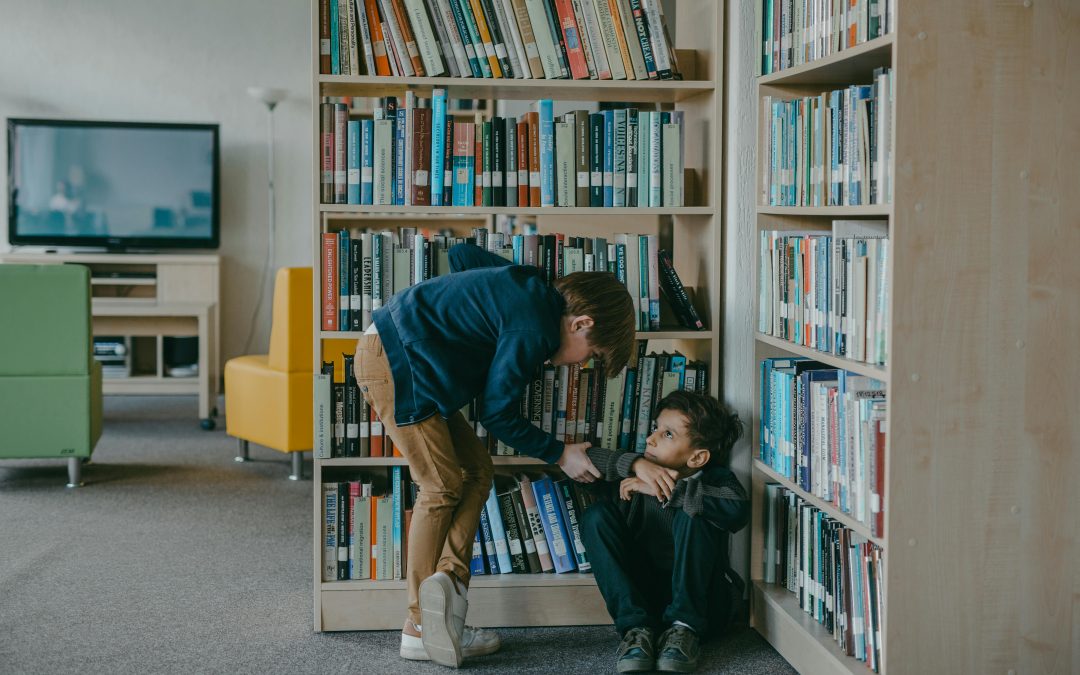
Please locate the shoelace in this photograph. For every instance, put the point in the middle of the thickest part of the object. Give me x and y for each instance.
(637, 637)
(677, 638)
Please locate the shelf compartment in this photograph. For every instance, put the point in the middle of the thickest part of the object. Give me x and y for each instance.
(860, 367)
(803, 642)
(870, 210)
(483, 581)
(844, 67)
(497, 460)
(449, 211)
(828, 508)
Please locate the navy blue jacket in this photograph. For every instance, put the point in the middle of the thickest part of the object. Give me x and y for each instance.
(478, 332)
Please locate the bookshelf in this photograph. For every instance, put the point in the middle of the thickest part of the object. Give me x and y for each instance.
(980, 456)
(692, 232)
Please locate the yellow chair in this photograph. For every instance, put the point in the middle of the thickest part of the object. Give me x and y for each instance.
(268, 396)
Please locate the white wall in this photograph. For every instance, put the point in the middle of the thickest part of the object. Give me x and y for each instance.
(183, 61)
(739, 249)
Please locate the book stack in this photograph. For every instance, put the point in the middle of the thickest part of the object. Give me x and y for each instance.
(361, 270)
(827, 292)
(834, 149)
(514, 39)
(413, 153)
(794, 33)
(836, 574)
(366, 525)
(530, 525)
(825, 430)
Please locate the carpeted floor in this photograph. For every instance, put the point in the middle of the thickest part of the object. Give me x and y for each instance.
(175, 559)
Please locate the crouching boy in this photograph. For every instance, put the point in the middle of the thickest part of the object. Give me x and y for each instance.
(660, 551)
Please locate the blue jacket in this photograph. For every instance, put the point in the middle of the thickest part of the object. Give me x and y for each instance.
(478, 332)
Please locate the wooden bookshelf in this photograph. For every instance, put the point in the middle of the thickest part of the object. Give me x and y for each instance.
(980, 547)
(692, 232)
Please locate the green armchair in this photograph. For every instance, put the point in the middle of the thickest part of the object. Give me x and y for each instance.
(50, 384)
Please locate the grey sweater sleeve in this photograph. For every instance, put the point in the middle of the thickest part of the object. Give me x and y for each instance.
(613, 464)
(718, 497)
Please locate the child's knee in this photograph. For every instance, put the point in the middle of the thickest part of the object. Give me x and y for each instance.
(598, 517)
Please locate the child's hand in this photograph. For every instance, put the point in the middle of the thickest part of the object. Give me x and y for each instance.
(576, 463)
(661, 480)
(633, 484)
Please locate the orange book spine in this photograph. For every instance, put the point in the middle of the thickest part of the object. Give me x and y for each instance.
(572, 38)
(373, 529)
(485, 37)
(376, 434)
(408, 37)
(523, 162)
(378, 42)
(624, 49)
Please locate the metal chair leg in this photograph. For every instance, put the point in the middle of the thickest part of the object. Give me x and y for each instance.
(243, 449)
(297, 466)
(75, 472)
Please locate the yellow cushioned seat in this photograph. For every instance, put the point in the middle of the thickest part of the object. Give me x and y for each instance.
(268, 396)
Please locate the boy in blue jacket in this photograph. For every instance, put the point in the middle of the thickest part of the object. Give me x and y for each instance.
(659, 550)
(479, 332)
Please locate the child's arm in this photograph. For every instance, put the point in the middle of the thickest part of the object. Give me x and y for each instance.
(613, 464)
(470, 256)
(721, 499)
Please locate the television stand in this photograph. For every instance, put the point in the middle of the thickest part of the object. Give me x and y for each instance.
(146, 298)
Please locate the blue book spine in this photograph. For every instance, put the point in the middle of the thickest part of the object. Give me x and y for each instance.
(466, 39)
(343, 278)
(518, 243)
(335, 40)
(570, 517)
(367, 161)
(626, 429)
(489, 542)
(678, 365)
(438, 143)
(353, 159)
(554, 528)
(763, 418)
(397, 518)
(461, 181)
(476, 564)
(547, 152)
(609, 157)
(399, 158)
(498, 532)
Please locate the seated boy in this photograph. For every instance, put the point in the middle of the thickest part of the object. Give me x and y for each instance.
(660, 552)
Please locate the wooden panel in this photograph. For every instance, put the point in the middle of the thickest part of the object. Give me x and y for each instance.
(571, 605)
(146, 325)
(187, 283)
(982, 572)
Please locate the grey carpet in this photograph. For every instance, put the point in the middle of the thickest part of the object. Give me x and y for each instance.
(175, 559)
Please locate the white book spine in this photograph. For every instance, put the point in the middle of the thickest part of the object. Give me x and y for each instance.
(519, 60)
(457, 41)
(596, 39)
(610, 41)
(544, 40)
(400, 51)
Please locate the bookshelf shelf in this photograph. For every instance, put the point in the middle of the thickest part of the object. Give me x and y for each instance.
(486, 581)
(848, 66)
(449, 211)
(878, 210)
(799, 639)
(860, 367)
(692, 233)
(638, 91)
(827, 507)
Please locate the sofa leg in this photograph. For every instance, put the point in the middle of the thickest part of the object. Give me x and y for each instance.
(297, 466)
(75, 472)
(242, 447)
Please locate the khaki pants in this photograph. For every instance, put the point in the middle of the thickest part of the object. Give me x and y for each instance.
(447, 461)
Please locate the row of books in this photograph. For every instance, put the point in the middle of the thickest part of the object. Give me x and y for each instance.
(572, 403)
(834, 149)
(519, 39)
(825, 430)
(829, 292)
(794, 32)
(366, 525)
(531, 525)
(362, 270)
(415, 154)
(836, 574)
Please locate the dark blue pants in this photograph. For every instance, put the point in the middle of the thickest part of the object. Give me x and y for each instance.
(654, 578)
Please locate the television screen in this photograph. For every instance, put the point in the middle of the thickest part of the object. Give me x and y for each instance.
(112, 184)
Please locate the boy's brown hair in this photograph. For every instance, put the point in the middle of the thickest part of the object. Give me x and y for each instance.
(710, 424)
(602, 297)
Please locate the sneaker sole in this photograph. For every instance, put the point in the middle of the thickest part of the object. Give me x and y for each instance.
(666, 666)
(641, 666)
(440, 643)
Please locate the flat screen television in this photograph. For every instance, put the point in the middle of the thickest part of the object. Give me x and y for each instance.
(113, 185)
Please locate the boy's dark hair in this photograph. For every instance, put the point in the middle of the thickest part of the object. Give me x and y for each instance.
(711, 425)
(602, 297)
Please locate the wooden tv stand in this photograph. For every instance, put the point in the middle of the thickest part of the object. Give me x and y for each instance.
(145, 298)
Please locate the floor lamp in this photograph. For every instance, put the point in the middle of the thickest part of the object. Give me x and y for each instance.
(270, 97)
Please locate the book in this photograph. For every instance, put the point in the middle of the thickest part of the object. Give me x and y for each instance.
(571, 518)
(555, 532)
(511, 527)
(536, 525)
(498, 532)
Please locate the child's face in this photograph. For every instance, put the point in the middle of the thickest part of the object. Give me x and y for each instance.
(669, 444)
(574, 344)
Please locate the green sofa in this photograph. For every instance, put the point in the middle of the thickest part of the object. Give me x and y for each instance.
(50, 384)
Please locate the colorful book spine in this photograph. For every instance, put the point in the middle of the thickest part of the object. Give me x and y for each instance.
(555, 532)
(609, 157)
(353, 163)
(438, 144)
(367, 158)
(547, 152)
(498, 532)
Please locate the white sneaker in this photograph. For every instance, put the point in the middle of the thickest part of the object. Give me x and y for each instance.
(443, 607)
(474, 642)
